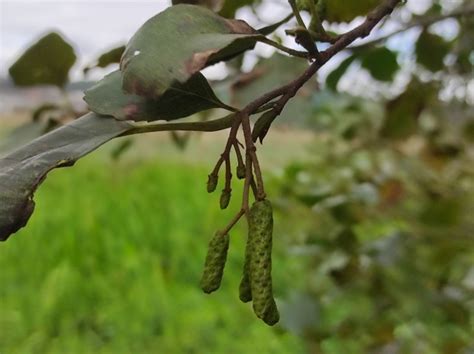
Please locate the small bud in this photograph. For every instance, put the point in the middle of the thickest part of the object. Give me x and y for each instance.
(225, 198)
(212, 183)
(241, 172)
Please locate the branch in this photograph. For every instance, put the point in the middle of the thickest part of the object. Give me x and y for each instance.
(289, 90)
(296, 13)
(292, 52)
(419, 22)
(208, 126)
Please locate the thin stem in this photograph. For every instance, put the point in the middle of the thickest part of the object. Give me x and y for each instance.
(297, 14)
(292, 52)
(228, 174)
(251, 152)
(234, 221)
(208, 126)
(248, 179)
(419, 22)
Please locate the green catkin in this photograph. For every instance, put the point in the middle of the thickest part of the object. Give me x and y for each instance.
(245, 291)
(260, 238)
(215, 262)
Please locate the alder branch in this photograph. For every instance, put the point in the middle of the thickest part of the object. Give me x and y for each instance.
(208, 126)
(425, 21)
(289, 90)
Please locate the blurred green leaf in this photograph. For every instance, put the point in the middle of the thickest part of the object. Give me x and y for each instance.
(345, 11)
(381, 63)
(231, 6)
(333, 78)
(47, 62)
(110, 57)
(270, 73)
(185, 40)
(180, 100)
(430, 51)
(401, 113)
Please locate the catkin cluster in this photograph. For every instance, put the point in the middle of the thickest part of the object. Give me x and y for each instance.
(256, 283)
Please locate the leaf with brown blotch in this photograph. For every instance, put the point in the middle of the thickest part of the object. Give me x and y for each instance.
(176, 44)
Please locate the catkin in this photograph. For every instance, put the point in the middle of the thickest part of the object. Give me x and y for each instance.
(245, 291)
(260, 266)
(215, 262)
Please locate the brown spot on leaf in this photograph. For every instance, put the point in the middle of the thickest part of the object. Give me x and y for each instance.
(130, 111)
(198, 61)
(240, 27)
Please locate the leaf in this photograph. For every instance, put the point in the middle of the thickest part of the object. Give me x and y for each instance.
(111, 57)
(270, 73)
(22, 171)
(430, 51)
(47, 62)
(273, 27)
(345, 11)
(231, 6)
(176, 44)
(333, 78)
(23, 134)
(401, 113)
(262, 125)
(180, 100)
(381, 63)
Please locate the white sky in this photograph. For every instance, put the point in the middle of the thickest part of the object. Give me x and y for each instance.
(92, 26)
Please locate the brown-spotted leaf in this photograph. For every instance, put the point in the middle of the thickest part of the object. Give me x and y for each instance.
(23, 170)
(176, 44)
(180, 100)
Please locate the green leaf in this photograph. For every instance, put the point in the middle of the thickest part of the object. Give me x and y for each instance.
(176, 44)
(333, 78)
(22, 171)
(381, 63)
(180, 100)
(401, 113)
(273, 27)
(343, 10)
(111, 57)
(430, 51)
(273, 72)
(47, 62)
(231, 6)
(23, 134)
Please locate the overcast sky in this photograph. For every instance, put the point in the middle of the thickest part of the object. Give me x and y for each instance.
(95, 26)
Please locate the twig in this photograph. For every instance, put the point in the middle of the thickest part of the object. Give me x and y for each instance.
(234, 221)
(208, 126)
(419, 22)
(297, 14)
(292, 52)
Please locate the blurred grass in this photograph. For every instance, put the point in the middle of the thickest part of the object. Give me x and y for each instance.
(110, 263)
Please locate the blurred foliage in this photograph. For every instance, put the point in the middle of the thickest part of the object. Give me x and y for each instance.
(113, 56)
(384, 232)
(47, 62)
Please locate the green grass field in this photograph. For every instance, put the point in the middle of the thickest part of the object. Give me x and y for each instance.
(111, 261)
